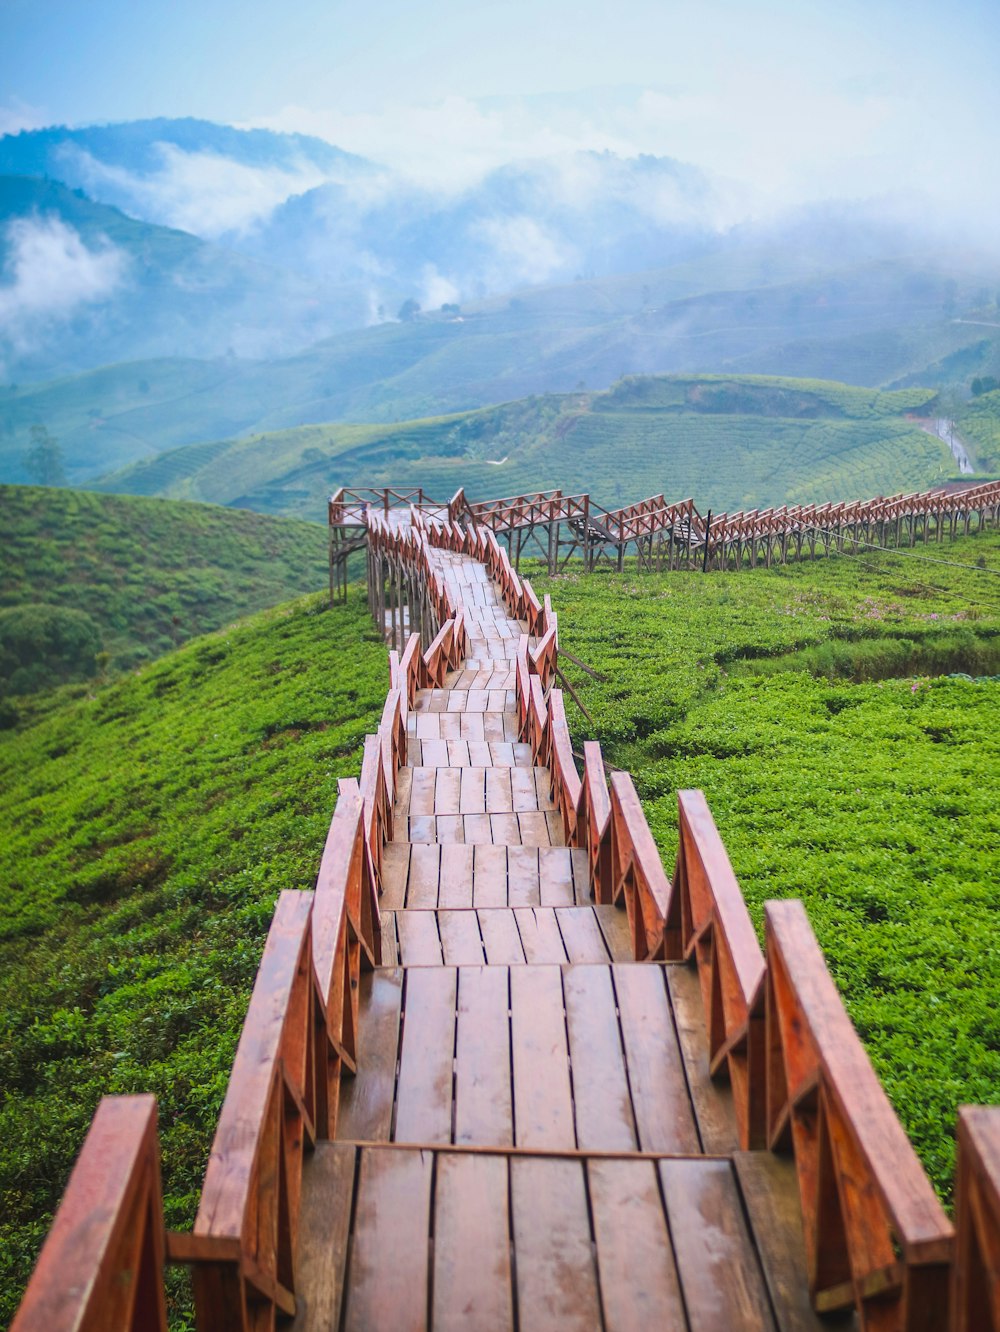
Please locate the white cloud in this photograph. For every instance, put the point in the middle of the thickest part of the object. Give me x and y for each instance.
(16, 115)
(51, 275)
(437, 290)
(202, 193)
(525, 252)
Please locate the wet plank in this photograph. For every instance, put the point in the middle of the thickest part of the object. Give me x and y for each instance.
(460, 941)
(395, 867)
(523, 876)
(556, 877)
(613, 924)
(500, 937)
(600, 1085)
(661, 1102)
(556, 1277)
(419, 944)
(366, 1100)
(455, 884)
(424, 1096)
(323, 1233)
(720, 1275)
(393, 1217)
(540, 937)
(582, 935)
(472, 1269)
(422, 884)
(489, 883)
(483, 1103)
(713, 1102)
(543, 1103)
(639, 1284)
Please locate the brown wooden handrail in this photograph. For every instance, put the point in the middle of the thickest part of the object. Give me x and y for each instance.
(566, 785)
(975, 1292)
(101, 1267)
(876, 1235)
(637, 874)
(593, 822)
(709, 923)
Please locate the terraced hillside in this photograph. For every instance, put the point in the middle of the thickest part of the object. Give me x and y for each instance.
(731, 442)
(145, 835)
(149, 574)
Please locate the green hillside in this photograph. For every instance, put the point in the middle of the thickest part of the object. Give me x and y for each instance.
(145, 834)
(811, 705)
(979, 423)
(731, 442)
(149, 574)
(878, 324)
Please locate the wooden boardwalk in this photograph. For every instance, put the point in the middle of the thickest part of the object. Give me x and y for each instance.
(532, 1138)
(500, 1071)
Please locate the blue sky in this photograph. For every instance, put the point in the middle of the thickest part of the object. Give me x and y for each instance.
(794, 97)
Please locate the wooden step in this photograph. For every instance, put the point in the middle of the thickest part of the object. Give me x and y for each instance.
(455, 875)
(468, 754)
(464, 700)
(472, 790)
(505, 936)
(527, 828)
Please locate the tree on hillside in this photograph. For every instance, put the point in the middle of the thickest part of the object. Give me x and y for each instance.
(44, 460)
(409, 310)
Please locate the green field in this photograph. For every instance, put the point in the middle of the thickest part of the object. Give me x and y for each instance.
(979, 423)
(145, 834)
(728, 442)
(809, 703)
(149, 574)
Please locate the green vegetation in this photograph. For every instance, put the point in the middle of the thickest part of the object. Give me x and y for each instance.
(979, 422)
(731, 442)
(145, 834)
(812, 705)
(149, 574)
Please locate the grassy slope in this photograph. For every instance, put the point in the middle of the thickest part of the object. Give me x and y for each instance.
(151, 573)
(730, 442)
(145, 834)
(980, 424)
(872, 799)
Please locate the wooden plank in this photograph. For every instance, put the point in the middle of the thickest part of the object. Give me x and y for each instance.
(540, 937)
(603, 1105)
(422, 886)
(522, 789)
(419, 944)
(472, 1270)
(582, 935)
(523, 757)
(390, 948)
(420, 829)
(639, 1284)
(713, 1102)
(554, 823)
(395, 868)
(489, 881)
(499, 798)
(424, 1093)
(450, 828)
(447, 790)
(543, 789)
(770, 1190)
(324, 1224)
(392, 1217)
(469, 726)
(555, 887)
(720, 1276)
(483, 1104)
(478, 830)
(422, 791)
(504, 829)
(556, 1277)
(661, 1102)
(455, 887)
(613, 924)
(434, 754)
(534, 829)
(404, 779)
(473, 799)
(543, 1102)
(581, 878)
(366, 1100)
(522, 876)
(460, 939)
(500, 937)
(480, 753)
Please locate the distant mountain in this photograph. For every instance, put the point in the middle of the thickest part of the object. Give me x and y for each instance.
(877, 324)
(84, 285)
(552, 220)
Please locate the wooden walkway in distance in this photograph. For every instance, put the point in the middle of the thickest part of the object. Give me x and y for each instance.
(532, 1138)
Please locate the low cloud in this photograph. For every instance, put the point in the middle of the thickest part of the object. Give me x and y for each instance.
(524, 251)
(205, 194)
(50, 275)
(437, 290)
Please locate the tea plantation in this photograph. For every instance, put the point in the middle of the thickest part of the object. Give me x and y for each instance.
(812, 704)
(145, 833)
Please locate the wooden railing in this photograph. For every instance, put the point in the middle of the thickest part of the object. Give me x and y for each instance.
(975, 1297)
(876, 1236)
(101, 1269)
(709, 923)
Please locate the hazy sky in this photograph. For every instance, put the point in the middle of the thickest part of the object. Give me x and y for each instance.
(800, 98)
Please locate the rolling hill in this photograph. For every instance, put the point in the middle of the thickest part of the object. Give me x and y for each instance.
(731, 442)
(147, 574)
